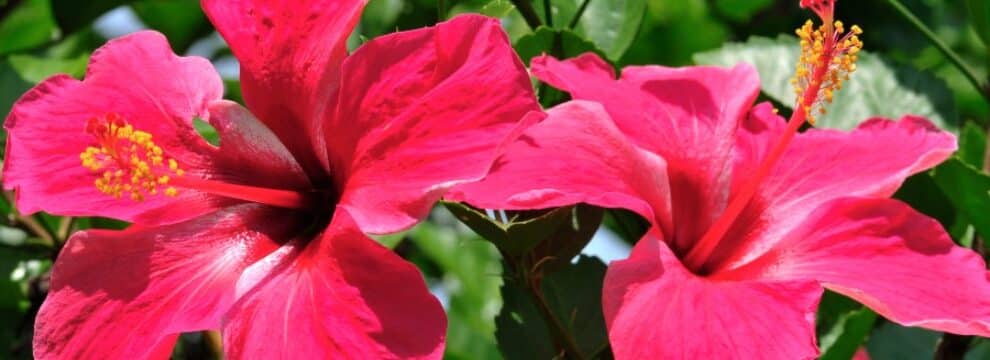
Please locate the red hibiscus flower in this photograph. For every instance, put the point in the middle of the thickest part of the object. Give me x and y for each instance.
(261, 237)
(751, 219)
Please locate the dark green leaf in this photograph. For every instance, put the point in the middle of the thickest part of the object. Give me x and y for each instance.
(573, 298)
(895, 342)
(979, 11)
(558, 234)
(182, 21)
(29, 25)
(842, 326)
(878, 88)
(549, 41)
(969, 190)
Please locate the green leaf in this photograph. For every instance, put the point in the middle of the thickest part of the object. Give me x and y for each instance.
(182, 21)
(36, 69)
(29, 25)
(611, 25)
(895, 342)
(972, 144)
(969, 190)
(845, 327)
(878, 88)
(556, 235)
(498, 8)
(544, 41)
(572, 296)
(980, 12)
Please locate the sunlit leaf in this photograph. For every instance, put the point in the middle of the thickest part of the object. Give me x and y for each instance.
(611, 25)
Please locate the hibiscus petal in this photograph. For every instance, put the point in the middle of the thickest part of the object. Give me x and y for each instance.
(290, 54)
(602, 167)
(250, 153)
(821, 165)
(340, 296)
(116, 294)
(891, 258)
(136, 76)
(656, 309)
(688, 116)
(421, 111)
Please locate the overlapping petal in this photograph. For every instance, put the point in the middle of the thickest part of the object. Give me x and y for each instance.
(290, 54)
(126, 294)
(688, 116)
(821, 165)
(340, 296)
(891, 258)
(421, 111)
(657, 309)
(137, 77)
(575, 155)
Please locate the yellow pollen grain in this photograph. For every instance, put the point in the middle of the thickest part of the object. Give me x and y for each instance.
(127, 160)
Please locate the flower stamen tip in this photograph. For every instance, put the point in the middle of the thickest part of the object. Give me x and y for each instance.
(126, 160)
(828, 57)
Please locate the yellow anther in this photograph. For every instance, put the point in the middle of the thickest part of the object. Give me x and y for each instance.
(828, 56)
(128, 160)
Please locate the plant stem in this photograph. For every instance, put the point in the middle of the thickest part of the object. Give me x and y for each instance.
(528, 13)
(942, 46)
(30, 223)
(578, 14)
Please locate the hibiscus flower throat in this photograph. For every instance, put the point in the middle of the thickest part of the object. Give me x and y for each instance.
(828, 57)
(129, 164)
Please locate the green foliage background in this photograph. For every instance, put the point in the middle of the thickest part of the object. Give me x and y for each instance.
(489, 313)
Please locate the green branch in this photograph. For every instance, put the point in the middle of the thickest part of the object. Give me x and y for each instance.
(578, 14)
(528, 13)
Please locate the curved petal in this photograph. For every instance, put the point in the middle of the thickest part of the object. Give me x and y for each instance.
(290, 54)
(575, 155)
(340, 296)
(891, 258)
(116, 294)
(137, 77)
(822, 165)
(250, 153)
(421, 111)
(656, 309)
(688, 116)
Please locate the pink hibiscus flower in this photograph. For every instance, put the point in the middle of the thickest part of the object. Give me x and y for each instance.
(751, 219)
(261, 237)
